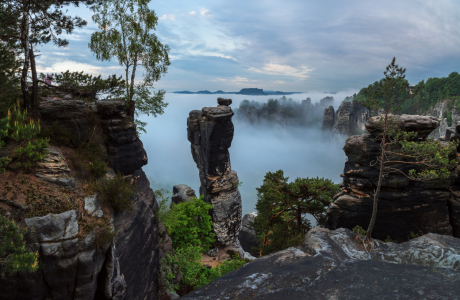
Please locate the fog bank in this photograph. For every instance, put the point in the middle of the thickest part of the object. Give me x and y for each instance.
(255, 150)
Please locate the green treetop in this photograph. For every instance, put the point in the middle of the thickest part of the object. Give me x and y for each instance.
(126, 33)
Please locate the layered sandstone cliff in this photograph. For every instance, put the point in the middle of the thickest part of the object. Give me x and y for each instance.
(405, 206)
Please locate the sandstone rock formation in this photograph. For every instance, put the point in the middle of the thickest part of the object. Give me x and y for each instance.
(247, 236)
(404, 206)
(210, 132)
(126, 153)
(440, 111)
(137, 245)
(331, 265)
(349, 118)
(81, 267)
(53, 168)
(328, 119)
(182, 193)
(72, 115)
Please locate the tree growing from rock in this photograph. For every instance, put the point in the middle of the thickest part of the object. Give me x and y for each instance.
(427, 159)
(126, 33)
(283, 208)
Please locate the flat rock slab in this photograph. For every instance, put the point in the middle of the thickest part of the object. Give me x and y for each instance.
(331, 265)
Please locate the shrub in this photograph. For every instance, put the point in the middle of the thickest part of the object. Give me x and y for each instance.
(193, 273)
(163, 201)
(31, 150)
(57, 134)
(189, 223)
(13, 255)
(98, 169)
(118, 192)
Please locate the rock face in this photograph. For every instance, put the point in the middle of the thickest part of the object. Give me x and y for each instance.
(79, 267)
(210, 132)
(247, 235)
(136, 244)
(72, 115)
(126, 153)
(440, 110)
(70, 264)
(331, 265)
(349, 118)
(328, 119)
(182, 193)
(53, 168)
(404, 206)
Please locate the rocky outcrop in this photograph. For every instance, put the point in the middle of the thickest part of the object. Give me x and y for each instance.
(210, 132)
(71, 115)
(71, 264)
(82, 266)
(53, 168)
(126, 153)
(349, 118)
(328, 119)
(247, 236)
(326, 101)
(136, 244)
(405, 206)
(440, 111)
(331, 265)
(182, 193)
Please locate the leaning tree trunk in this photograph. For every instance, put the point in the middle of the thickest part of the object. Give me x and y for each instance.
(379, 184)
(34, 97)
(25, 68)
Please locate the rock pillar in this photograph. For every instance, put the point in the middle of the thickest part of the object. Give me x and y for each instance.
(210, 132)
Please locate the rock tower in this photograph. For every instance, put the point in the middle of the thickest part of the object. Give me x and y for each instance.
(210, 132)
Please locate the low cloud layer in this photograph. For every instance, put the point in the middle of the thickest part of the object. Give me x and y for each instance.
(255, 150)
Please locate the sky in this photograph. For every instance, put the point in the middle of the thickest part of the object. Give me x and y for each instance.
(285, 45)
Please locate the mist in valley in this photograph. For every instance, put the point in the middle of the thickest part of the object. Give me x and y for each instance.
(256, 148)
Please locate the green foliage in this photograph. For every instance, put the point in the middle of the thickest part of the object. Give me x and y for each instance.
(98, 168)
(27, 156)
(10, 67)
(163, 200)
(388, 239)
(282, 209)
(118, 192)
(30, 150)
(86, 85)
(194, 274)
(57, 134)
(430, 158)
(189, 223)
(359, 230)
(412, 236)
(13, 254)
(126, 32)
(434, 90)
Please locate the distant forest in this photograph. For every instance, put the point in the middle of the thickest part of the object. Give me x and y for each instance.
(434, 90)
(283, 111)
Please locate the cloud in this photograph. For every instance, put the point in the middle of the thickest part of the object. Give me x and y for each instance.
(192, 13)
(170, 17)
(204, 12)
(283, 70)
(74, 66)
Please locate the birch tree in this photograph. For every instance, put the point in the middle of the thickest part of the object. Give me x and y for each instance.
(127, 33)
